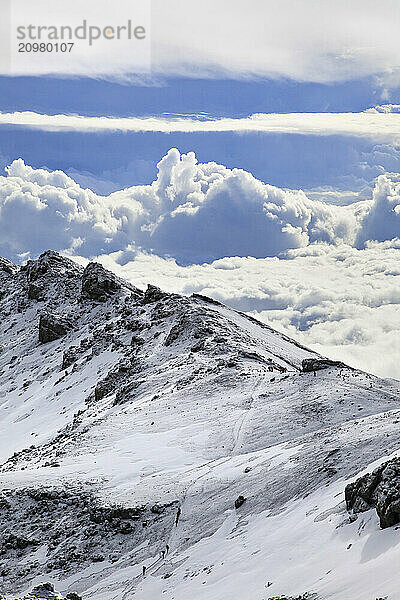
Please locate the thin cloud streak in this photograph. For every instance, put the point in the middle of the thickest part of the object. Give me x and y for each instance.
(382, 127)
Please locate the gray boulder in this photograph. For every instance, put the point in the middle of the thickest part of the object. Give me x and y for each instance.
(44, 591)
(380, 490)
(239, 501)
(316, 364)
(52, 327)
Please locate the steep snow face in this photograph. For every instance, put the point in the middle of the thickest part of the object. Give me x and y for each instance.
(131, 421)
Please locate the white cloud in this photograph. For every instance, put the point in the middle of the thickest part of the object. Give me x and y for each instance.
(379, 126)
(306, 41)
(384, 108)
(194, 212)
(382, 222)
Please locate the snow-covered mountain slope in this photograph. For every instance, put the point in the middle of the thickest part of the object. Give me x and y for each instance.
(131, 422)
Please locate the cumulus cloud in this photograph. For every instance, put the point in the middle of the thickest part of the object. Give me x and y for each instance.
(382, 222)
(378, 125)
(40, 208)
(193, 212)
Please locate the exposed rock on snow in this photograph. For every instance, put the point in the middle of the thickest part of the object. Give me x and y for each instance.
(379, 489)
(52, 327)
(46, 591)
(74, 526)
(7, 266)
(305, 596)
(153, 294)
(122, 381)
(316, 364)
(99, 284)
(206, 299)
(50, 276)
(239, 501)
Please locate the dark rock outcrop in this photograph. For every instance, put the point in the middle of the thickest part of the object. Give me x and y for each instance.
(15, 542)
(51, 276)
(36, 291)
(50, 262)
(77, 527)
(175, 332)
(7, 271)
(380, 490)
(206, 299)
(98, 284)
(7, 266)
(317, 364)
(121, 380)
(153, 294)
(73, 353)
(239, 501)
(46, 591)
(305, 596)
(52, 327)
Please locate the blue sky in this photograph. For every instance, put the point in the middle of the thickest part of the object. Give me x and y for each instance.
(108, 161)
(220, 97)
(130, 158)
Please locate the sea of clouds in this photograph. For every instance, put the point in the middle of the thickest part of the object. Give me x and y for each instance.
(327, 275)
